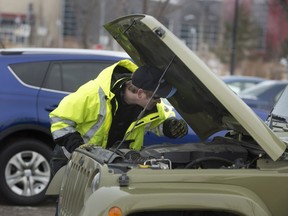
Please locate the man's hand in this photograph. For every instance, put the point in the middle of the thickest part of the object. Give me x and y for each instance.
(175, 128)
(87, 146)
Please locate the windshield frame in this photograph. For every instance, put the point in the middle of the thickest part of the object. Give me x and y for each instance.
(280, 109)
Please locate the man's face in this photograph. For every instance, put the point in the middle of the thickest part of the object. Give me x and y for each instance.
(145, 99)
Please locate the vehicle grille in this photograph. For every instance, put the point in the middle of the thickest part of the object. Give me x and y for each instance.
(79, 177)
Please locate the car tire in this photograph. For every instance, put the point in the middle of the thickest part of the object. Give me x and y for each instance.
(25, 172)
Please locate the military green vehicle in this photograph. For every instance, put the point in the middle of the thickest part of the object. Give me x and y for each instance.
(244, 172)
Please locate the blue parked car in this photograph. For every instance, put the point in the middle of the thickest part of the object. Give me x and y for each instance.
(33, 81)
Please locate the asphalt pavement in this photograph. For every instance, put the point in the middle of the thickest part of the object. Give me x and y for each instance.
(46, 208)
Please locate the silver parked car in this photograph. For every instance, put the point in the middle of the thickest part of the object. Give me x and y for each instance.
(243, 173)
(240, 83)
(264, 95)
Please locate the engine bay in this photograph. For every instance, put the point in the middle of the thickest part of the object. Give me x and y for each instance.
(220, 153)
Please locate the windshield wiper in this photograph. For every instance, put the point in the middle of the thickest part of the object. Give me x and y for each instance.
(279, 118)
(276, 118)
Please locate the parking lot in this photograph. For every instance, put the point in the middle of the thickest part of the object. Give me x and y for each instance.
(45, 209)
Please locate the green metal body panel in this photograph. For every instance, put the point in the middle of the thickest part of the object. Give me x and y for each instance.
(260, 191)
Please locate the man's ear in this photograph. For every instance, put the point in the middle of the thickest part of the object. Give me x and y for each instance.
(140, 93)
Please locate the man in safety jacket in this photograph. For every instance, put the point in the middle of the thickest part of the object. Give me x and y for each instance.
(105, 110)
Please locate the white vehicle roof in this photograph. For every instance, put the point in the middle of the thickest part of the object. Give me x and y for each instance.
(67, 51)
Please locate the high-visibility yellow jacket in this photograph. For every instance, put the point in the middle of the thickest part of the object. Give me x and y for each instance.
(89, 111)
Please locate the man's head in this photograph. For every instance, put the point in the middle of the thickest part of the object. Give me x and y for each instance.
(148, 78)
(144, 82)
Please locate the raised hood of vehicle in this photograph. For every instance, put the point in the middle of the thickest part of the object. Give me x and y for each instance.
(202, 99)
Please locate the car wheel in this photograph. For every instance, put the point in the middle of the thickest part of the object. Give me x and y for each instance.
(24, 171)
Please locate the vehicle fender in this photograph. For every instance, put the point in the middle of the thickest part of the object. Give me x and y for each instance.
(56, 182)
(24, 127)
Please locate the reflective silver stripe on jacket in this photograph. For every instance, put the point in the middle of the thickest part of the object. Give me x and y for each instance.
(54, 120)
(160, 129)
(101, 117)
(62, 132)
(147, 127)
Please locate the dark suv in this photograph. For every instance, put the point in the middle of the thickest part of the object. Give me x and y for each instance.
(32, 83)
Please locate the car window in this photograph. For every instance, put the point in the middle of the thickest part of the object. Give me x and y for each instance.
(265, 91)
(31, 73)
(257, 89)
(235, 84)
(234, 88)
(248, 85)
(240, 86)
(69, 76)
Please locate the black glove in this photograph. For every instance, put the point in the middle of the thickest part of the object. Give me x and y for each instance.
(175, 128)
(70, 141)
(58, 160)
(64, 147)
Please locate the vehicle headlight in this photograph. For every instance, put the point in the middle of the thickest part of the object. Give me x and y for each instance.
(96, 181)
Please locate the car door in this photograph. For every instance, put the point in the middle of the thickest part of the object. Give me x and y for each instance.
(21, 103)
(62, 78)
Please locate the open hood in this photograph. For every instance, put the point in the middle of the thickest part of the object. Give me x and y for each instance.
(202, 99)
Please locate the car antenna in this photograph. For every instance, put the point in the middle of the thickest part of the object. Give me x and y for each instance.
(142, 112)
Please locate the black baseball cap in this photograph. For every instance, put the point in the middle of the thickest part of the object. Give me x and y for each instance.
(147, 78)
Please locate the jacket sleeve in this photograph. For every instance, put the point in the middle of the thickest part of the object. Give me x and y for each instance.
(69, 118)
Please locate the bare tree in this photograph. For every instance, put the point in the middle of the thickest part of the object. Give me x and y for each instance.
(86, 15)
(160, 9)
(90, 16)
(246, 44)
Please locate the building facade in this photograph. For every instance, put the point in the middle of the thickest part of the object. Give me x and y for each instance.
(30, 22)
